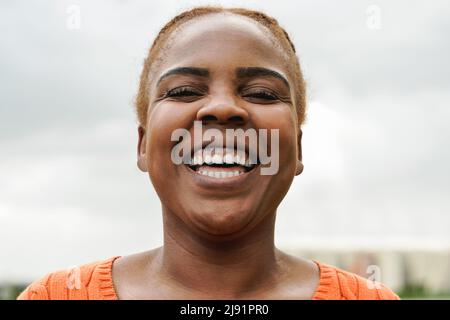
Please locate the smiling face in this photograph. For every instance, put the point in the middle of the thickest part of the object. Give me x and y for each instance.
(225, 71)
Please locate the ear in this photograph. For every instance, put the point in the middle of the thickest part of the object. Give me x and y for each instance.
(141, 150)
(299, 166)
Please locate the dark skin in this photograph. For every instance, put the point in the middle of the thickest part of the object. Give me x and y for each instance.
(218, 235)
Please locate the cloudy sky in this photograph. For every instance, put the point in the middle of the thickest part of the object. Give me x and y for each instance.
(375, 145)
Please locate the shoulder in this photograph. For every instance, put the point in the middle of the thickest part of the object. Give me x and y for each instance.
(87, 281)
(338, 284)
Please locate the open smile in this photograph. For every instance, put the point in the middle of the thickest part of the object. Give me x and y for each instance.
(221, 166)
(221, 163)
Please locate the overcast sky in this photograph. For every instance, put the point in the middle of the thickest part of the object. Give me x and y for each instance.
(375, 145)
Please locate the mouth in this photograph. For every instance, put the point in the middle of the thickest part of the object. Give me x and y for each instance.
(222, 163)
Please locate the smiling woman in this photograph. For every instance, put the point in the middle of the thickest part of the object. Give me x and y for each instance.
(234, 72)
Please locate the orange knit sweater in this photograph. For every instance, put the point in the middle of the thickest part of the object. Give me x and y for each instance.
(94, 281)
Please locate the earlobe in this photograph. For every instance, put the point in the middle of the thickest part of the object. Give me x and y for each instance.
(299, 165)
(298, 168)
(141, 150)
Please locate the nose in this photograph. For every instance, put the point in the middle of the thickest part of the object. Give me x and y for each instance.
(222, 111)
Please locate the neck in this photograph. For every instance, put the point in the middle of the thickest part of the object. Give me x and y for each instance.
(228, 268)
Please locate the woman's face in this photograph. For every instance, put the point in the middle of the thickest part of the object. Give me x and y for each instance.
(218, 69)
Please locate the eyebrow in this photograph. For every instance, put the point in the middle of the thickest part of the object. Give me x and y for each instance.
(192, 71)
(250, 72)
(243, 72)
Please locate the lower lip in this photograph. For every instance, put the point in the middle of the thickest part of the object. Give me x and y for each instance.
(228, 182)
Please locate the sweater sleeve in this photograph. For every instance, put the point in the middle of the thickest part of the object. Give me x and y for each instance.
(387, 294)
(353, 287)
(73, 283)
(58, 285)
(37, 290)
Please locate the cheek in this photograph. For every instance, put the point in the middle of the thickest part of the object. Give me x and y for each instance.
(279, 118)
(162, 122)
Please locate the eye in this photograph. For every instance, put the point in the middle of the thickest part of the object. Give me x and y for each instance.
(184, 93)
(261, 95)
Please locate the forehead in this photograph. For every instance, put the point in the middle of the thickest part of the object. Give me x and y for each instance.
(223, 41)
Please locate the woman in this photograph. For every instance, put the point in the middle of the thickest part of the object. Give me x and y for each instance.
(222, 69)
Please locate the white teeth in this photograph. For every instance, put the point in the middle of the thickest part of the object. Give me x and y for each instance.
(220, 156)
(199, 159)
(228, 158)
(194, 160)
(239, 159)
(220, 174)
(207, 159)
(217, 159)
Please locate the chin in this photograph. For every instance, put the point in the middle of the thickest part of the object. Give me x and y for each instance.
(219, 222)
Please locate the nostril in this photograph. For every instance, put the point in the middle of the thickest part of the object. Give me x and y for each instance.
(212, 118)
(236, 119)
(208, 118)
